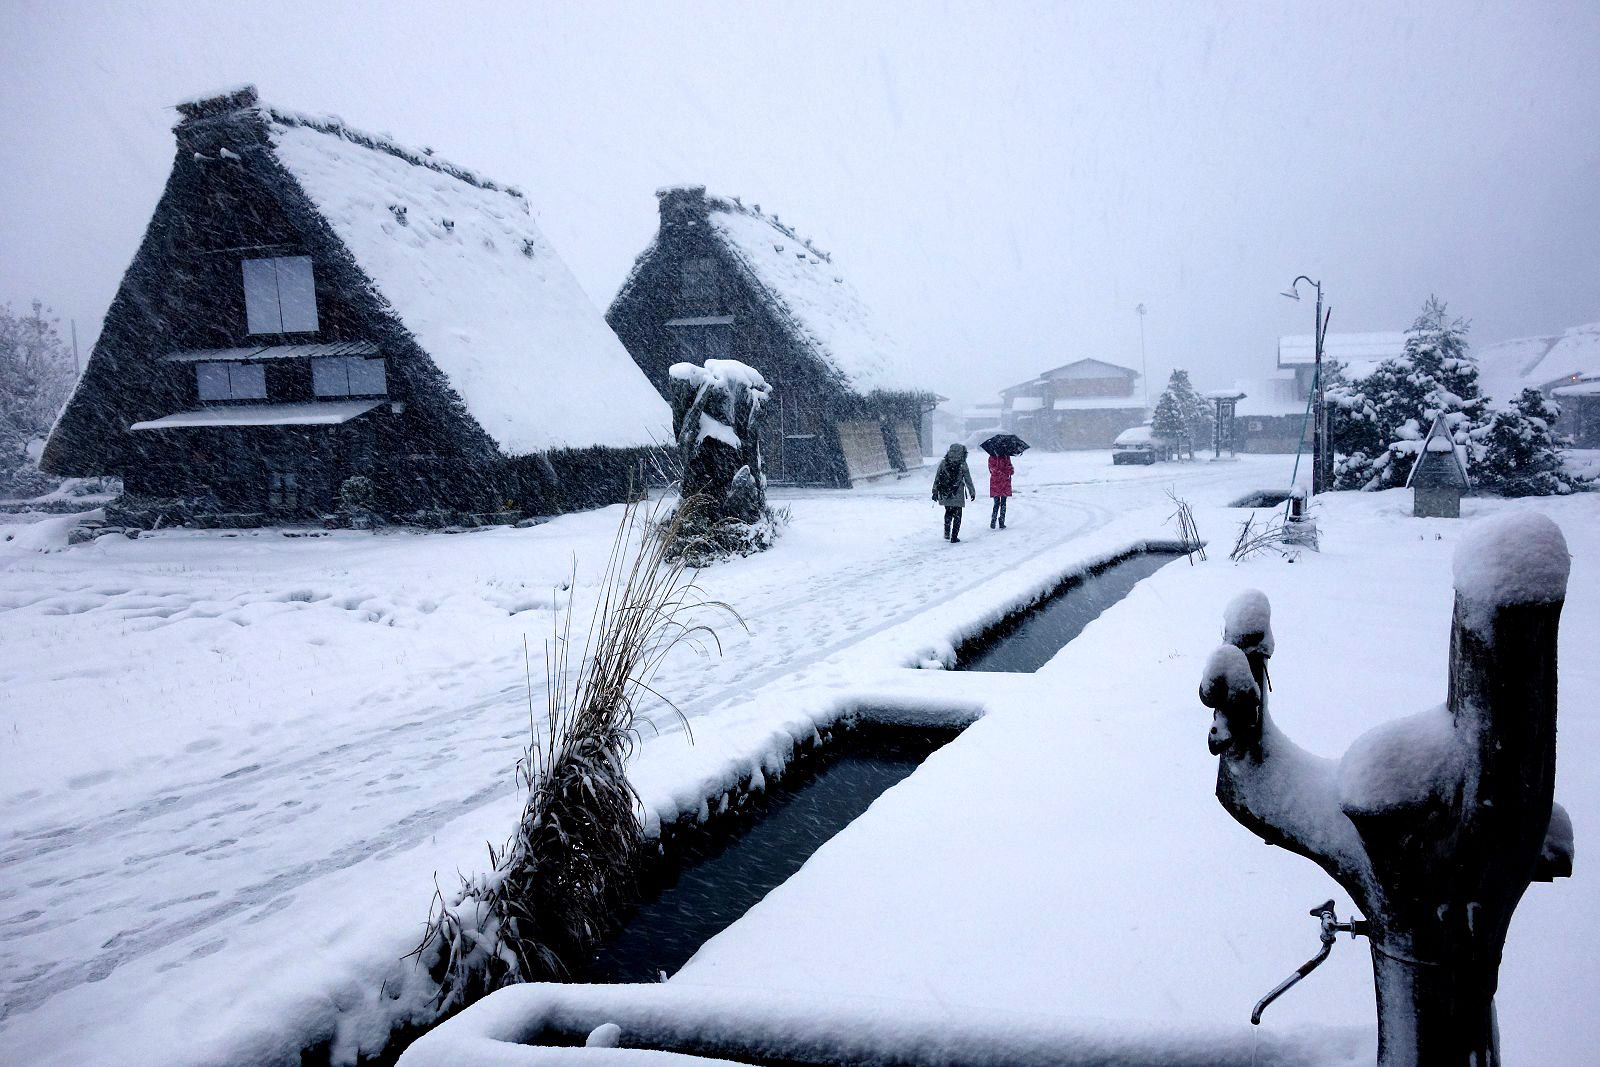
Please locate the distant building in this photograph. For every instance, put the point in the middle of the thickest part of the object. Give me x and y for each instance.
(1079, 405)
(1564, 367)
(312, 303)
(981, 416)
(1358, 353)
(723, 280)
(1272, 415)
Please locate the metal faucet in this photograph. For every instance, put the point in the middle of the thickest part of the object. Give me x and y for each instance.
(1331, 928)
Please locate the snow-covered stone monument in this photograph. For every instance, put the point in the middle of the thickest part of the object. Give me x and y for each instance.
(714, 411)
(1435, 824)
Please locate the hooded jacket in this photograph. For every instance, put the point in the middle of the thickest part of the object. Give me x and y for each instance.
(952, 484)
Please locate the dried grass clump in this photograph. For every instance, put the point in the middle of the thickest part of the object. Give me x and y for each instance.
(571, 866)
(1274, 534)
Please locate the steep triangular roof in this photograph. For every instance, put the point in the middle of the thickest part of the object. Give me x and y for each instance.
(1507, 368)
(463, 266)
(1439, 451)
(806, 290)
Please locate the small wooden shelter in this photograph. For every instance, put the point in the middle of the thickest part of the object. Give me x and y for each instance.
(1439, 476)
(724, 280)
(311, 303)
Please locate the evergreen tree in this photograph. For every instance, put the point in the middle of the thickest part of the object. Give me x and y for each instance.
(1199, 418)
(1182, 416)
(1519, 451)
(36, 377)
(1380, 421)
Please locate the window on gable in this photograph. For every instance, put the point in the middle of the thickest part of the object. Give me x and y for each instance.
(231, 381)
(348, 376)
(698, 291)
(280, 295)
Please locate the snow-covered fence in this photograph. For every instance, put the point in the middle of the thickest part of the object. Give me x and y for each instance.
(1435, 823)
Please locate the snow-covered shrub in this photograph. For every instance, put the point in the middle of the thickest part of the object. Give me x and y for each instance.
(36, 377)
(357, 502)
(1378, 423)
(1519, 451)
(556, 887)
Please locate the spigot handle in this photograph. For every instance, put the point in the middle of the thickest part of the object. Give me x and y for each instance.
(1328, 933)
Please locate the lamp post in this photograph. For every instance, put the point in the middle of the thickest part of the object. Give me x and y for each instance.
(1319, 422)
(1144, 369)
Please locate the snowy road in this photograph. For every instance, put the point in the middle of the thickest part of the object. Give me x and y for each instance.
(204, 728)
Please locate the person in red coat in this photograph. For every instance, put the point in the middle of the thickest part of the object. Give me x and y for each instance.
(999, 488)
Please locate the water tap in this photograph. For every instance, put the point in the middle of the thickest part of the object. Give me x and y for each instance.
(1330, 929)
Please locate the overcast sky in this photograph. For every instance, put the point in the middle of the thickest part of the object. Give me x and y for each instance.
(1003, 181)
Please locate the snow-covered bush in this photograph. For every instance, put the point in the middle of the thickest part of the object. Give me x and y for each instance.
(1519, 451)
(358, 502)
(557, 886)
(36, 377)
(1182, 415)
(1377, 424)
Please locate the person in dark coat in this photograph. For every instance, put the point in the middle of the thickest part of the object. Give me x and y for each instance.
(999, 488)
(952, 487)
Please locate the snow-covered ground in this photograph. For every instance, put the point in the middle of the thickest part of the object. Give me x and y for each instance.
(233, 765)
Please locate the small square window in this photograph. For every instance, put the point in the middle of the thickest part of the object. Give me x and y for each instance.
(367, 377)
(212, 378)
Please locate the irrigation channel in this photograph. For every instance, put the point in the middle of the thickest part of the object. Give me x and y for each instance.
(705, 876)
(1025, 641)
(708, 876)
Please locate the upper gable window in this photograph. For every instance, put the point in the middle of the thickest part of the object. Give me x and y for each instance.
(280, 295)
(348, 376)
(698, 291)
(231, 381)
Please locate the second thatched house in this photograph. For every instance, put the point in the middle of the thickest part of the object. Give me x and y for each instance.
(311, 304)
(722, 280)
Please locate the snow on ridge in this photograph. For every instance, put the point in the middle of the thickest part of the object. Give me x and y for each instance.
(469, 273)
(821, 305)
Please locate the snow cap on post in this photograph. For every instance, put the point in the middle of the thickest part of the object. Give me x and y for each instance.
(1227, 677)
(1247, 623)
(1513, 559)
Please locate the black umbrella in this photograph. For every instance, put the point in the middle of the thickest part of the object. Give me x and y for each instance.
(1005, 444)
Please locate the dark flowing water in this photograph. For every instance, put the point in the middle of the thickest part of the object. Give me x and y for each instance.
(1026, 641)
(712, 875)
(1261, 498)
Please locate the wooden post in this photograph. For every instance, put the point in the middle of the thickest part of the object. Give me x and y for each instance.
(1437, 823)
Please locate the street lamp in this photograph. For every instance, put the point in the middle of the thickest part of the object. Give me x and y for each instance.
(1144, 370)
(1319, 423)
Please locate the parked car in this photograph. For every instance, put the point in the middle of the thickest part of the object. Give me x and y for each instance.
(1138, 444)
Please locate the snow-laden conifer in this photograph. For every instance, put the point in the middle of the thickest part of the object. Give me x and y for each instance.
(1182, 415)
(1382, 419)
(1519, 451)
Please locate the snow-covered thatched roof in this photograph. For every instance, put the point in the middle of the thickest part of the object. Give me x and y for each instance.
(804, 288)
(464, 268)
(1507, 368)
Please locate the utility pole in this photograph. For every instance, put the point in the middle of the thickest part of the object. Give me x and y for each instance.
(1319, 415)
(1144, 368)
